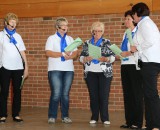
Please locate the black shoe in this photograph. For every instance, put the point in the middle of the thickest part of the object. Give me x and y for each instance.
(17, 119)
(2, 119)
(124, 126)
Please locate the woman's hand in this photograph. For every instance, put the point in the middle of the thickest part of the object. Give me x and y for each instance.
(70, 55)
(104, 59)
(117, 57)
(25, 75)
(133, 49)
(66, 55)
(125, 53)
(87, 59)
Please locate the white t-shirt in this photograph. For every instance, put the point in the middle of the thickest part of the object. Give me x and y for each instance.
(53, 44)
(9, 55)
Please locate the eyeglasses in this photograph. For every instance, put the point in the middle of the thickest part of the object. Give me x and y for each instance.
(63, 25)
(98, 31)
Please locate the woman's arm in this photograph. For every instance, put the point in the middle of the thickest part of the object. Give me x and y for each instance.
(53, 54)
(26, 64)
(71, 55)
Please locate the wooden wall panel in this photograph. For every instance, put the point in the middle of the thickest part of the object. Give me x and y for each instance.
(46, 8)
(30, 10)
(98, 7)
(31, 1)
(156, 5)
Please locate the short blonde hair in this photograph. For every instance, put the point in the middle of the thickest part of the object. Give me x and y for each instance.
(11, 16)
(59, 20)
(97, 24)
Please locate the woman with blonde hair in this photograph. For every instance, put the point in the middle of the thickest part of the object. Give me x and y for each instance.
(13, 66)
(98, 73)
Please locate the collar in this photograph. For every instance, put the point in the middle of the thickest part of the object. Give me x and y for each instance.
(141, 21)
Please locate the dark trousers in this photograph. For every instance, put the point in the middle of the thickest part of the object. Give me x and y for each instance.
(99, 88)
(6, 76)
(150, 73)
(133, 95)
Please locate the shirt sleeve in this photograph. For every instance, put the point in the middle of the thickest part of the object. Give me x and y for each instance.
(49, 45)
(22, 46)
(147, 31)
(112, 59)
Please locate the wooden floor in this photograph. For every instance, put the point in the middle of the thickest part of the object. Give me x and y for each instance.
(36, 119)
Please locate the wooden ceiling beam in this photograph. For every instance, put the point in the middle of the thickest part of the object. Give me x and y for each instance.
(51, 8)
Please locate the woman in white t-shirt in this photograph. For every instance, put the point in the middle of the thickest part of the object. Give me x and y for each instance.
(13, 66)
(60, 70)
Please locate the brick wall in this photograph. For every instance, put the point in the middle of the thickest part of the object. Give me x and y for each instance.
(35, 32)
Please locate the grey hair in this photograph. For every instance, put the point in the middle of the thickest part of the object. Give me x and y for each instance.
(97, 24)
(59, 20)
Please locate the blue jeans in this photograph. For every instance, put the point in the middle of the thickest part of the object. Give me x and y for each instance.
(60, 84)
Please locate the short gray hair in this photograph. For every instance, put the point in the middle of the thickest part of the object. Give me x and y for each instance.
(97, 24)
(59, 20)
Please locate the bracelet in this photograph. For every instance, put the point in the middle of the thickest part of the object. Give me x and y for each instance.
(131, 52)
(63, 54)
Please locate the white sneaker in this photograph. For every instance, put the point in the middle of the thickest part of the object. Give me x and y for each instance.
(51, 120)
(107, 122)
(92, 122)
(67, 120)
